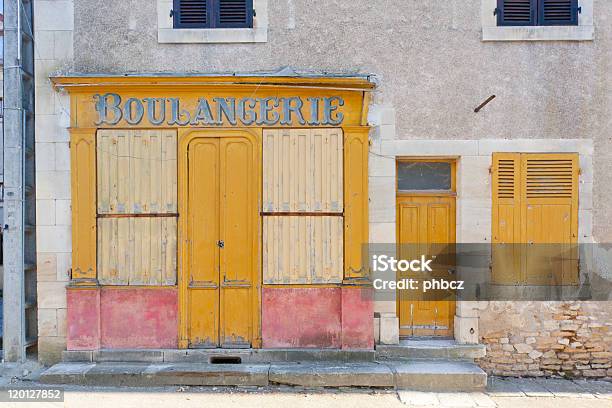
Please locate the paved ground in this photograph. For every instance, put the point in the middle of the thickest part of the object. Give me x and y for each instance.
(501, 393)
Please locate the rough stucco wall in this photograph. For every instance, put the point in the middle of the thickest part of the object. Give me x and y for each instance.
(428, 55)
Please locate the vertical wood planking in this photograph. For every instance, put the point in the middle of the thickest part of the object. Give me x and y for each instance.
(302, 250)
(303, 170)
(136, 171)
(137, 251)
(137, 175)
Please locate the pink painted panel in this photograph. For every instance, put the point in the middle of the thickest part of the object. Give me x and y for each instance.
(301, 317)
(139, 318)
(357, 318)
(82, 319)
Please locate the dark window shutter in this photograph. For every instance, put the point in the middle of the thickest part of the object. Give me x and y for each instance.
(192, 13)
(558, 12)
(213, 13)
(234, 13)
(516, 12)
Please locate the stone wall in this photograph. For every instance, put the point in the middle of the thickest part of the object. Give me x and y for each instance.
(567, 339)
(53, 32)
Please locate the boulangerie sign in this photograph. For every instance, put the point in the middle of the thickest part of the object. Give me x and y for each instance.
(220, 111)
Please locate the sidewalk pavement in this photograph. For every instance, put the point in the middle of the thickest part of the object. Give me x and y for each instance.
(500, 393)
(520, 392)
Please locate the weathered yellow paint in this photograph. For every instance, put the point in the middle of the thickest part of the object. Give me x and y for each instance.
(506, 213)
(137, 251)
(426, 225)
(219, 188)
(136, 175)
(234, 81)
(535, 218)
(356, 149)
(302, 249)
(302, 170)
(136, 171)
(234, 321)
(83, 183)
(190, 90)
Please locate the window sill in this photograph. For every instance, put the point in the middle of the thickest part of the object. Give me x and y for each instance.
(538, 33)
(212, 36)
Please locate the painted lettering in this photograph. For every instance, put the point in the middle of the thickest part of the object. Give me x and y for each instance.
(330, 106)
(203, 115)
(179, 117)
(103, 107)
(133, 111)
(246, 111)
(219, 111)
(289, 108)
(152, 108)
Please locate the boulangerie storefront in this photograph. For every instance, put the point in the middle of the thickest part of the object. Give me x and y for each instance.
(218, 212)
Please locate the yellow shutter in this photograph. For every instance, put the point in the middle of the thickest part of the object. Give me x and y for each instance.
(303, 203)
(136, 207)
(550, 212)
(302, 170)
(302, 250)
(535, 207)
(506, 218)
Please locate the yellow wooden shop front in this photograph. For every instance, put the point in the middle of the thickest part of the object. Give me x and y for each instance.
(199, 182)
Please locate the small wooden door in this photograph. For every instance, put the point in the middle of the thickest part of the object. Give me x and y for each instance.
(426, 225)
(222, 280)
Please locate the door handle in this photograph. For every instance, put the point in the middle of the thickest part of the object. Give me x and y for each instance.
(220, 244)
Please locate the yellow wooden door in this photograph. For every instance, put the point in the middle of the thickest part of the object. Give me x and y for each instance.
(426, 226)
(222, 231)
(203, 236)
(238, 232)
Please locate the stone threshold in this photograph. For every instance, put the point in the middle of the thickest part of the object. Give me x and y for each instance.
(218, 356)
(431, 349)
(416, 375)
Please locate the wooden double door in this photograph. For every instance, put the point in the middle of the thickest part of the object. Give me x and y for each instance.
(220, 277)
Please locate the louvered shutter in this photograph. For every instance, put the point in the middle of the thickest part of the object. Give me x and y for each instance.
(558, 12)
(550, 218)
(192, 13)
(234, 13)
(506, 228)
(516, 12)
(535, 218)
(213, 13)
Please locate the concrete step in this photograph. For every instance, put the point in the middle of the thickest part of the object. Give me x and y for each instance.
(248, 356)
(438, 376)
(332, 375)
(306, 374)
(155, 375)
(418, 375)
(430, 350)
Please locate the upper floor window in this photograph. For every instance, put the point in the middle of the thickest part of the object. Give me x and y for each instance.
(537, 12)
(212, 13)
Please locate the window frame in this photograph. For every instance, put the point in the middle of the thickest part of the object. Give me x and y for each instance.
(491, 31)
(167, 34)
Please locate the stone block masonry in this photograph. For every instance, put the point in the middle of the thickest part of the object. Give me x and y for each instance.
(567, 339)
